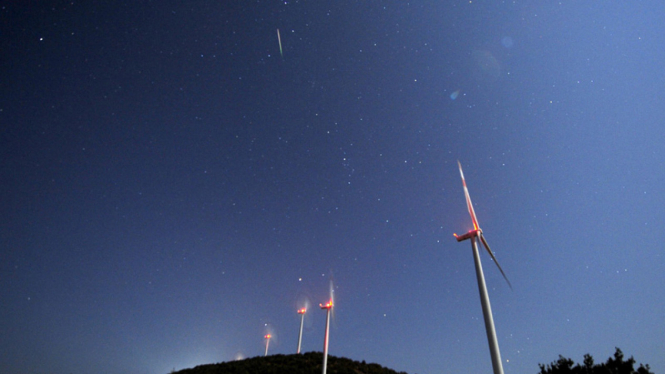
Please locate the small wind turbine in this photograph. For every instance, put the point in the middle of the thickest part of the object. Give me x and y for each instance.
(328, 308)
(474, 235)
(302, 318)
(267, 337)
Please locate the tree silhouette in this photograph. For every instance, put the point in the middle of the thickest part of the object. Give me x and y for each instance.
(614, 365)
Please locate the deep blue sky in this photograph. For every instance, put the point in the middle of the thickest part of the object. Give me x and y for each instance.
(172, 188)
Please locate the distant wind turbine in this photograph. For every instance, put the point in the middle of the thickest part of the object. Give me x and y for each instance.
(302, 318)
(474, 235)
(329, 309)
(267, 337)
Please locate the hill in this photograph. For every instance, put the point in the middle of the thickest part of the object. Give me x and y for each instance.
(308, 363)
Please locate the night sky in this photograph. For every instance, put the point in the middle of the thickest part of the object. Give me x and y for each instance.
(172, 188)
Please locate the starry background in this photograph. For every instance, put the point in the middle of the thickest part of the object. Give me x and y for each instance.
(172, 188)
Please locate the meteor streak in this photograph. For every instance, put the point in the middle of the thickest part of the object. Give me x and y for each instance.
(279, 40)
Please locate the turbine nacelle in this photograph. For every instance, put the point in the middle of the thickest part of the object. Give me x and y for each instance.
(327, 306)
(468, 235)
(302, 311)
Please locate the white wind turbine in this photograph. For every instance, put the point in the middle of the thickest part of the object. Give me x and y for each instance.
(329, 308)
(302, 312)
(267, 338)
(474, 235)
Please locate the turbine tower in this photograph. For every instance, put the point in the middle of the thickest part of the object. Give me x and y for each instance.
(328, 308)
(474, 235)
(267, 337)
(302, 318)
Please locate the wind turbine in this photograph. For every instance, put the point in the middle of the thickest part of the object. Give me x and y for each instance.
(474, 235)
(302, 318)
(328, 308)
(267, 337)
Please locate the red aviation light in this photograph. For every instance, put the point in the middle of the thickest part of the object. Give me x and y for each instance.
(327, 306)
(268, 336)
(302, 311)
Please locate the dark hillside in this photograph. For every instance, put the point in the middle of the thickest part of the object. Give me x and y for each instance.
(308, 363)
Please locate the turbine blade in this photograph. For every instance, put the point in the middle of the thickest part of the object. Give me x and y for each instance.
(333, 315)
(482, 239)
(469, 205)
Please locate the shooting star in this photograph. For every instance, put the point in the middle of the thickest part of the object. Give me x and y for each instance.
(279, 39)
